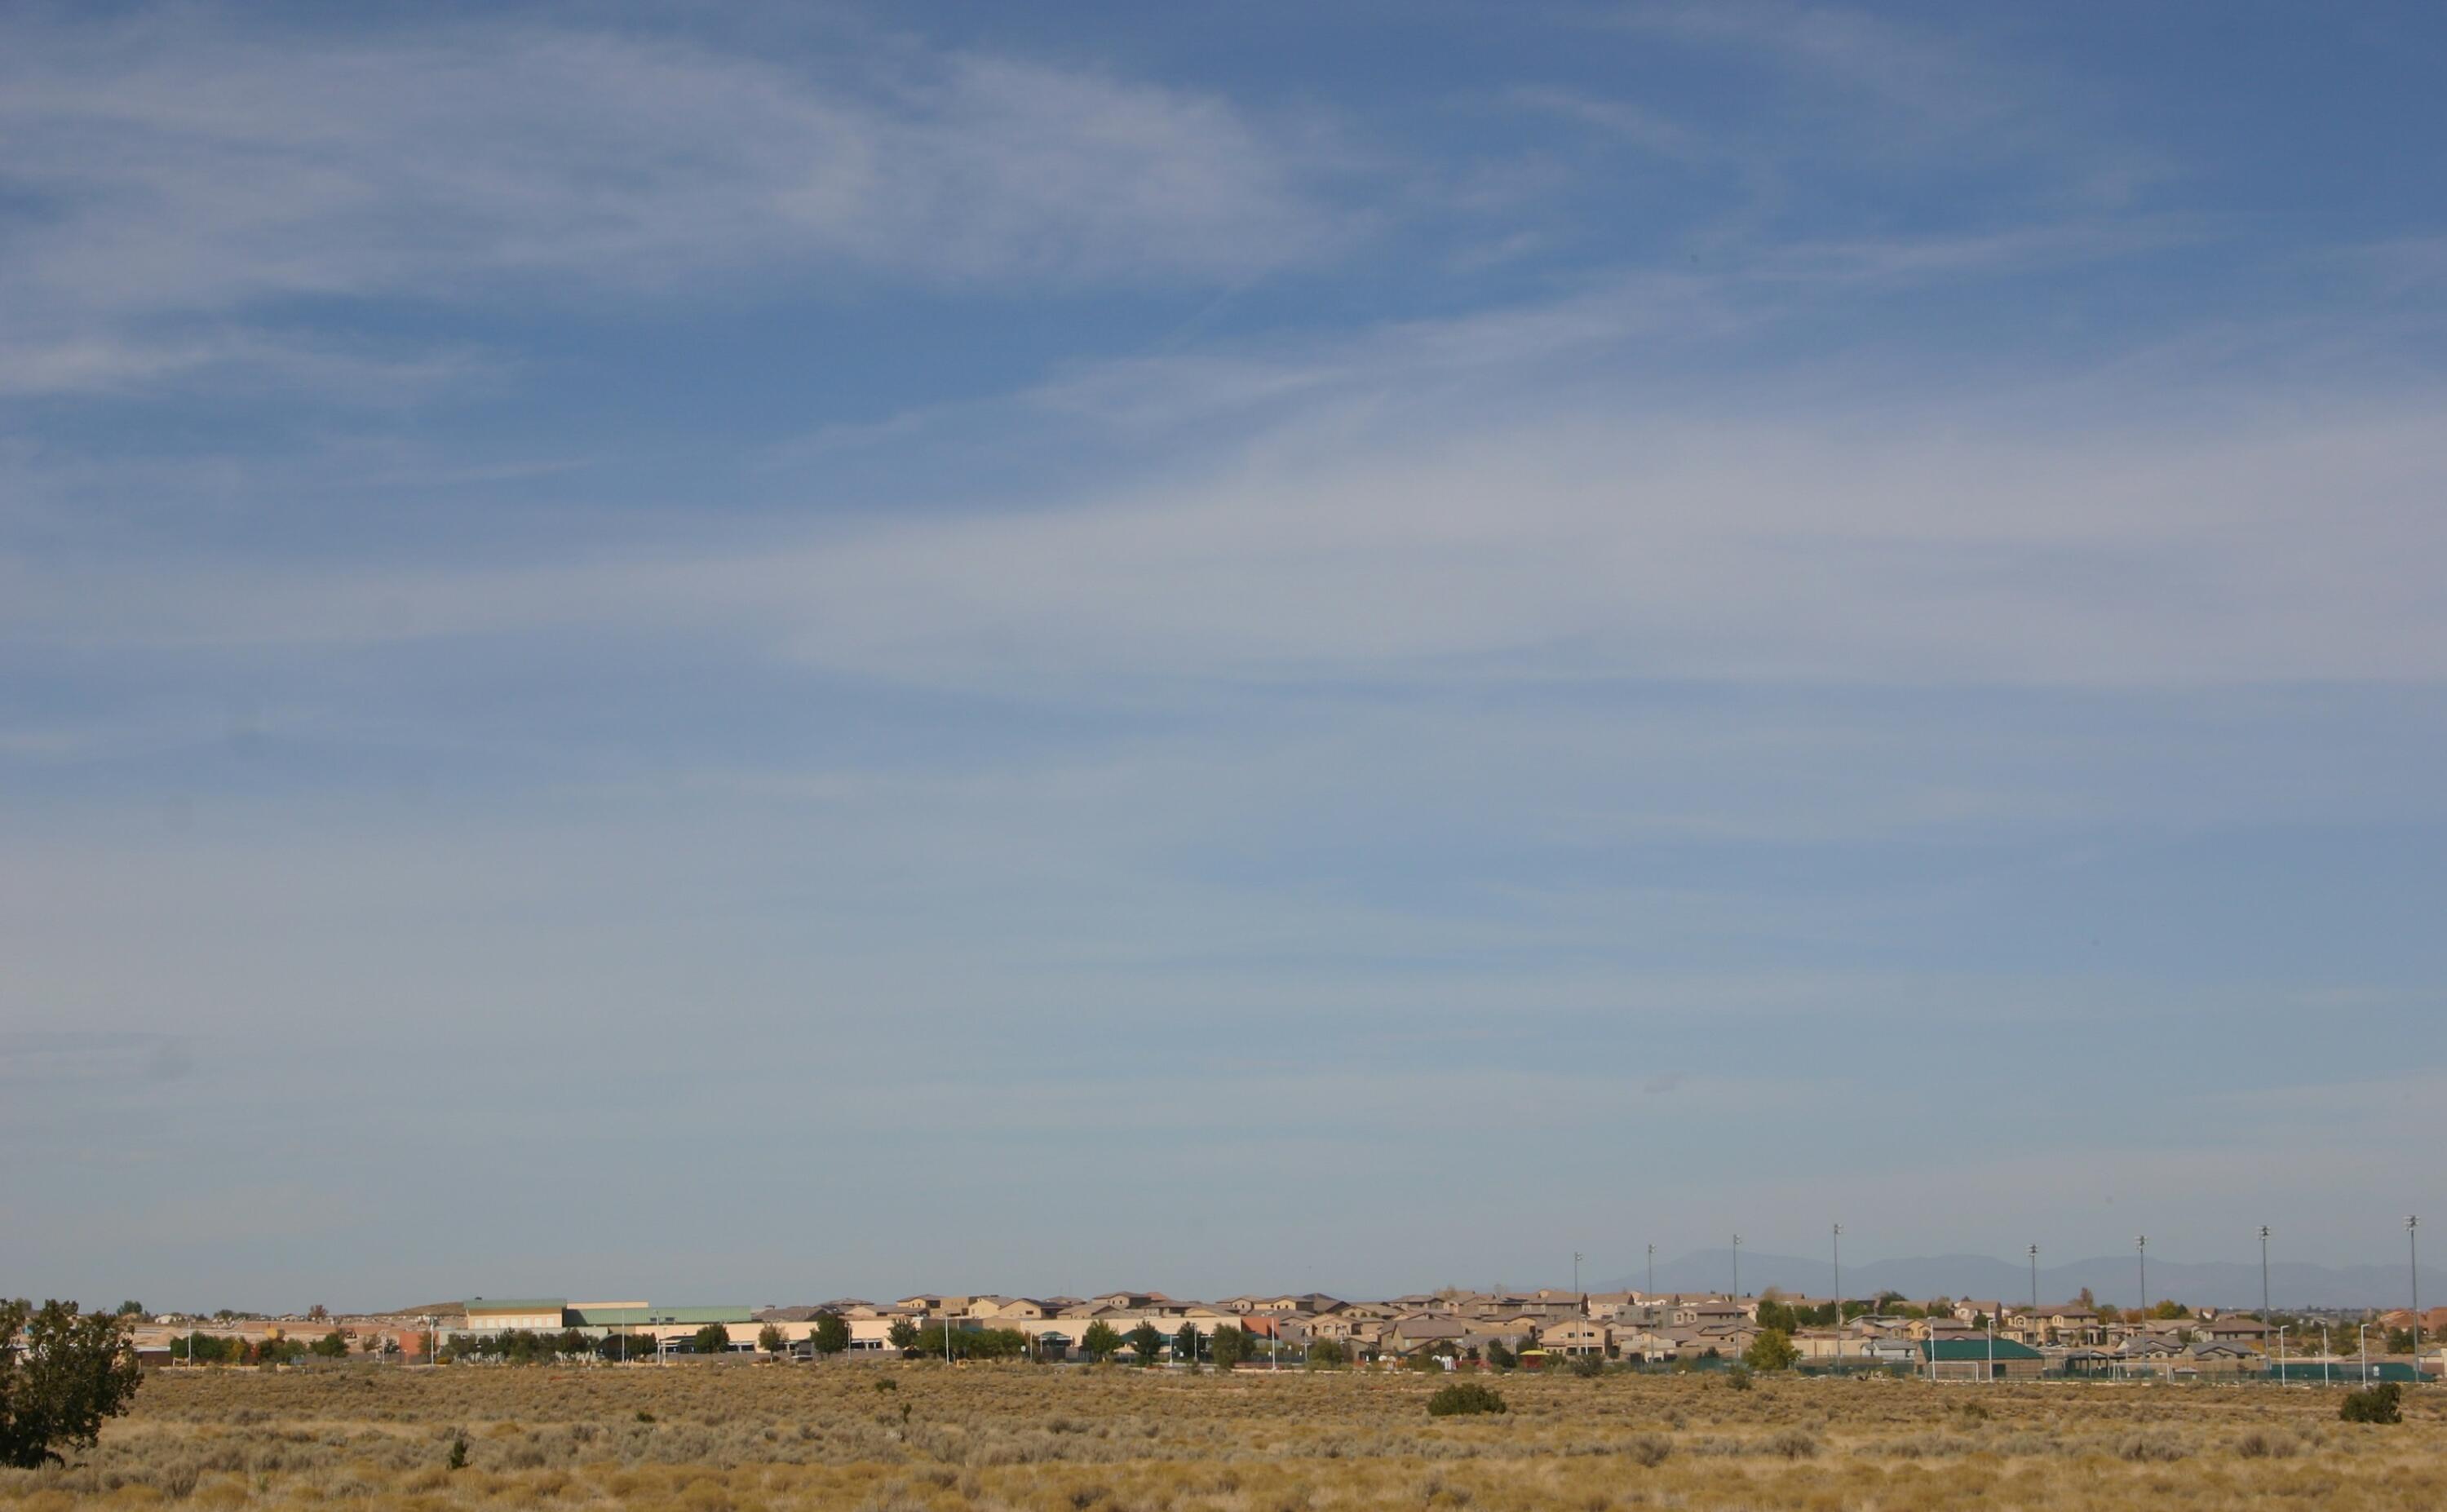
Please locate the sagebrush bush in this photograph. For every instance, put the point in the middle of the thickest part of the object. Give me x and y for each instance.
(1466, 1397)
(2384, 1402)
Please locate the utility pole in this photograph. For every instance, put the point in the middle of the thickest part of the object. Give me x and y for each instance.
(1576, 1276)
(1652, 1270)
(1835, 1238)
(1738, 1268)
(2141, 1248)
(2263, 1273)
(2035, 1280)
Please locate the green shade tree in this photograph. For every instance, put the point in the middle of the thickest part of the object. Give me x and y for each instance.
(770, 1339)
(1230, 1345)
(712, 1340)
(1772, 1350)
(1326, 1354)
(902, 1334)
(831, 1335)
(331, 1346)
(71, 1371)
(1100, 1341)
(1184, 1344)
(1147, 1340)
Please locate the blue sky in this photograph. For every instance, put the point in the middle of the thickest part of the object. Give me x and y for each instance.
(816, 651)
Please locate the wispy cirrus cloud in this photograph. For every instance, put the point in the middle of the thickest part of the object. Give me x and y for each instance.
(174, 164)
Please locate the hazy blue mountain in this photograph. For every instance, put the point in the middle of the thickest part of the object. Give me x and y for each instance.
(2111, 1278)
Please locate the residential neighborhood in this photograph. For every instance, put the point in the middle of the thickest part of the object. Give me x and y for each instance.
(1453, 1329)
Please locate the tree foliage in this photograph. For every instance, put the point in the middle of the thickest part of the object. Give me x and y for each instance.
(1230, 1345)
(712, 1340)
(1100, 1341)
(1326, 1354)
(903, 1334)
(1147, 1340)
(770, 1338)
(331, 1346)
(831, 1335)
(1772, 1350)
(73, 1371)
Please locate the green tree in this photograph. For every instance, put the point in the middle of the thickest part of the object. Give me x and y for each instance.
(1230, 1345)
(1772, 1350)
(1147, 1340)
(331, 1346)
(70, 1372)
(1100, 1341)
(2170, 1309)
(770, 1339)
(279, 1352)
(1184, 1344)
(1499, 1356)
(131, 1309)
(1774, 1313)
(712, 1340)
(831, 1335)
(1325, 1354)
(903, 1334)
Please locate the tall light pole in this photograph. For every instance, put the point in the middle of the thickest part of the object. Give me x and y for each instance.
(2141, 1248)
(2413, 1273)
(2263, 1273)
(1835, 1238)
(1652, 1270)
(1737, 1267)
(2035, 1280)
(1575, 1273)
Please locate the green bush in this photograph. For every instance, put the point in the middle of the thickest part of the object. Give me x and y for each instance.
(1325, 1354)
(1463, 1398)
(2382, 1403)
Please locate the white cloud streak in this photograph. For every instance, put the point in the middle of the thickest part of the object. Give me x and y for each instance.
(169, 166)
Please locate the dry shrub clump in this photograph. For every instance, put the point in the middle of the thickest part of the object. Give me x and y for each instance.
(720, 1438)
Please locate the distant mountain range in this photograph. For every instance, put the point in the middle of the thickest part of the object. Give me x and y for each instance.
(2111, 1278)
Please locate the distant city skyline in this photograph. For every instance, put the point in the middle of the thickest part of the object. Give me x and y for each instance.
(696, 648)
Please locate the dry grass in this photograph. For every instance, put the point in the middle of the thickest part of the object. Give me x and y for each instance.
(747, 1438)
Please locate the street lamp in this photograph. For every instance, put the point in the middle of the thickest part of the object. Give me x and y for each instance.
(1652, 1270)
(2035, 1280)
(2141, 1248)
(1737, 1267)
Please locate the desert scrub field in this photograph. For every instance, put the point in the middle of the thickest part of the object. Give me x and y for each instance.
(723, 1437)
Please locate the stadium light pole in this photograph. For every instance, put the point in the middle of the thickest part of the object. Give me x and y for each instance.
(1737, 1267)
(1576, 1274)
(1652, 1269)
(1835, 1238)
(2035, 1280)
(2141, 1248)
(2413, 1274)
(2263, 1273)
